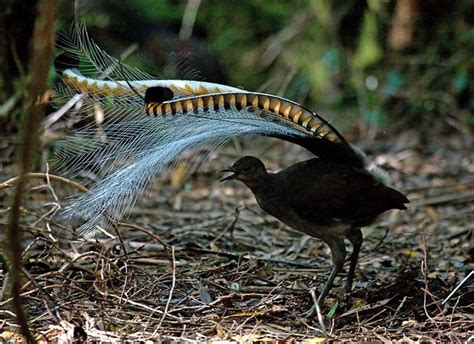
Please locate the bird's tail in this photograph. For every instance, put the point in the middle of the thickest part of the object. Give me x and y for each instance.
(148, 123)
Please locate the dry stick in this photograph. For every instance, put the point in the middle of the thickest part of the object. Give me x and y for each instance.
(451, 320)
(50, 187)
(146, 231)
(173, 283)
(464, 183)
(451, 198)
(318, 312)
(230, 227)
(394, 316)
(113, 224)
(39, 65)
(457, 287)
(424, 271)
(46, 176)
(165, 312)
(48, 302)
(189, 18)
(358, 319)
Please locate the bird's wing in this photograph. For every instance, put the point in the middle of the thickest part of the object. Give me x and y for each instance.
(149, 123)
(330, 191)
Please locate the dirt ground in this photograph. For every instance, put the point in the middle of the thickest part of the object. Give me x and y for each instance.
(199, 261)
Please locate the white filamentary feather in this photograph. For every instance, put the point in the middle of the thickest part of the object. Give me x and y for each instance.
(147, 155)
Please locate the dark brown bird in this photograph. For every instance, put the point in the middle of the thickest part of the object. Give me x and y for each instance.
(326, 200)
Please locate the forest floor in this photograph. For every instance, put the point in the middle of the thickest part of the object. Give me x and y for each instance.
(199, 261)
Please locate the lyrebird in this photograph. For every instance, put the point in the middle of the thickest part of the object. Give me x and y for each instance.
(151, 122)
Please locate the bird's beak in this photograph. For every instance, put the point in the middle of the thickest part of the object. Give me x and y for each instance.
(229, 177)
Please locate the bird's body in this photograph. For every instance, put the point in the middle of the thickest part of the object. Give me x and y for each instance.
(327, 194)
(324, 199)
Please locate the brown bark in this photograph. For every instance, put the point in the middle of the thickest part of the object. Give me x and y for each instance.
(403, 25)
(39, 61)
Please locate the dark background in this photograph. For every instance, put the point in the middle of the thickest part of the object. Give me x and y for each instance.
(388, 65)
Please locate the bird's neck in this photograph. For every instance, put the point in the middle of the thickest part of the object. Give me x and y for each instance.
(260, 184)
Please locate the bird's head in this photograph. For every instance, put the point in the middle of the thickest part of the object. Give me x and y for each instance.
(247, 169)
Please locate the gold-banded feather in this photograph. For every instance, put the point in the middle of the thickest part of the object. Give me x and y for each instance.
(202, 90)
(286, 111)
(290, 112)
(232, 100)
(275, 106)
(305, 122)
(297, 116)
(255, 102)
(266, 103)
(179, 108)
(220, 101)
(183, 88)
(210, 102)
(166, 108)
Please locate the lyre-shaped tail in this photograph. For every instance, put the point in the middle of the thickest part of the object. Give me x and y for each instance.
(149, 123)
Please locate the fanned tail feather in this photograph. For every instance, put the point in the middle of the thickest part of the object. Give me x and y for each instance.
(145, 157)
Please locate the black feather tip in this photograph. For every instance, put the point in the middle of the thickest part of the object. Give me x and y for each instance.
(65, 61)
(158, 94)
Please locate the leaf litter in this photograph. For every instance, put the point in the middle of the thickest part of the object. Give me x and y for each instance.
(197, 260)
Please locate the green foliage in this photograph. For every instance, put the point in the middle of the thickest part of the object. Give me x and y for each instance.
(158, 11)
(368, 49)
(332, 311)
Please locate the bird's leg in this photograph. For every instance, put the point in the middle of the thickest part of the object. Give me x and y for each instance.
(338, 251)
(356, 238)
